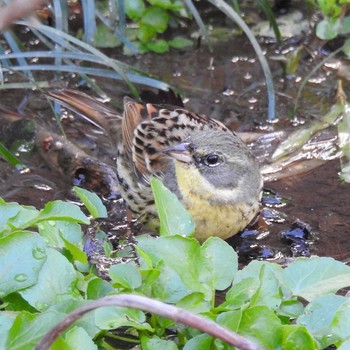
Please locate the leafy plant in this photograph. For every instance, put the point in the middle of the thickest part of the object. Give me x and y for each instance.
(336, 21)
(45, 276)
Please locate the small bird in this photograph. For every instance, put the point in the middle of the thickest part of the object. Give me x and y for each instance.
(198, 158)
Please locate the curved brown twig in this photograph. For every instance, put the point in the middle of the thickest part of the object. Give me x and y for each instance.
(155, 307)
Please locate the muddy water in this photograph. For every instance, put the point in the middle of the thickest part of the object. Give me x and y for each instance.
(226, 84)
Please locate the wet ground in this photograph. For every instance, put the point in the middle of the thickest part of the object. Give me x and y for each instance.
(226, 84)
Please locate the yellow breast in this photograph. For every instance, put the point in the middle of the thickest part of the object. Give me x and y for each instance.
(214, 211)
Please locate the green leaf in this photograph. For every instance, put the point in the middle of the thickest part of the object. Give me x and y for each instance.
(312, 277)
(346, 47)
(59, 210)
(9, 157)
(328, 28)
(158, 344)
(125, 275)
(241, 293)
(28, 329)
(166, 4)
(345, 26)
(345, 345)
(165, 284)
(115, 317)
(181, 254)
(296, 337)
(134, 9)
(269, 292)
(230, 319)
(98, 288)
(199, 342)
(22, 255)
(318, 316)
(219, 263)
(78, 338)
(174, 218)
(92, 202)
(105, 38)
(55, 282)
(291, 308)
(6, 321)
(261, 323)
(158, 46)
(14, 215)
(145, 33)
(157, 18)
(195, 303)
(340, 325)
(179, 42)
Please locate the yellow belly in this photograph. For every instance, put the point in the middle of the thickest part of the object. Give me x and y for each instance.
(212, 210)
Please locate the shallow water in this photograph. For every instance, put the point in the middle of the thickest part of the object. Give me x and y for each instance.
(227, 84)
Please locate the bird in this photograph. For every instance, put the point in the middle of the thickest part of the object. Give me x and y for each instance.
(204, 163)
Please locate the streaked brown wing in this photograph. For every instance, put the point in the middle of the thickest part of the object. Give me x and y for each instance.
(88, 107)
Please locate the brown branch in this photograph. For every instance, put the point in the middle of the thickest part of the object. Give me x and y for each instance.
(17, 9)
(153, 306)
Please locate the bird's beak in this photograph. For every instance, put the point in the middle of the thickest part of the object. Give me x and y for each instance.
(179, 152)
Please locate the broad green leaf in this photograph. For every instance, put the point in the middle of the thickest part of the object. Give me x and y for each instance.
(312, 277)
(195, 303)
(22, 255)
(14, 216)
(59, 210)
(158, 344)
(340, 325)
(318, 316)
(126, 275)
(345, 345)
(77, 252)
(92, 202)
(55, 282)
(166, 4)
(134, 9)
(219, 263)
(241, 293)
(345, 25)
(6, 321)
(297, 337)
(291, 308)
(269, 292)
(346, 47)
(105, 38)
(157, 18)
(115, 317)
(328, 28)
(77, 338)
(56, 232)
(180, 42)
(174, 218)
(199, 342)
(145, 33)
(158, 46)
(261, 323)
(181, 254)
(168, 286)
(28, 329)
(98, 288)
(230, 319)
(253, 269)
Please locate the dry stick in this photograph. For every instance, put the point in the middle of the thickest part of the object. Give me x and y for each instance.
(17, 9)
(152, 306)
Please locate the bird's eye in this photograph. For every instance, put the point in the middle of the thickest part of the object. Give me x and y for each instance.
(211, 160)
